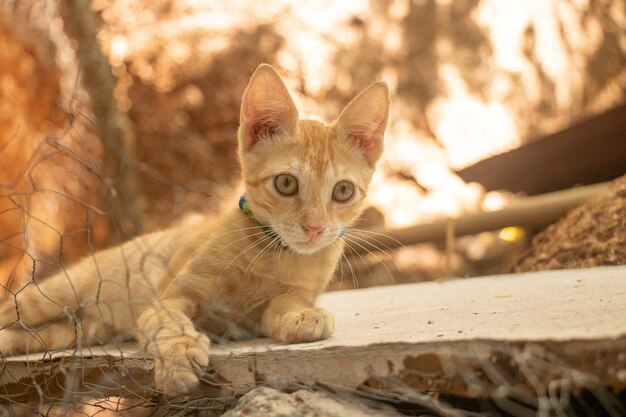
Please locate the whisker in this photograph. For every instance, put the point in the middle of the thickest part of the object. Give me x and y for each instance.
(354, 252)
(355, 240)
(258, 256)
(276, 251)
(274, 239)
(258, 230)
(249, 247)
(376, 247)
(240, 239)
(351, 240)
(338, 244)
(364, 231)
(355, 282)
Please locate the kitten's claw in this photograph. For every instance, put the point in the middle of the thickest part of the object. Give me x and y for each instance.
(306, 326)
(183, 361)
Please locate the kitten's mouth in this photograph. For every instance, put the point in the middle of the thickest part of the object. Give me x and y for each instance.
(306, 248)
(311, 242)
(303, 246)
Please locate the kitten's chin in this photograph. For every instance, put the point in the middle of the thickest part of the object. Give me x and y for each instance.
(306, 248)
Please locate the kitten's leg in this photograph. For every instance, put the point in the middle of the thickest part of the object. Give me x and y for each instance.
(291, 317)
(181, 353)
(39, 303)
(55, 336)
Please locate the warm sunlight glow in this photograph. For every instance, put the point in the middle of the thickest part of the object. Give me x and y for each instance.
(489, 98)
(511, 234)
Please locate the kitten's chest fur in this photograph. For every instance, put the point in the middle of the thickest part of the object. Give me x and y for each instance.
(244, 269)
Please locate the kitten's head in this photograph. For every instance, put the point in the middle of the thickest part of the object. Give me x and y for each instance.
(304, 179)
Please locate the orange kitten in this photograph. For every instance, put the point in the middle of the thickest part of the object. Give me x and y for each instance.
(262, 264)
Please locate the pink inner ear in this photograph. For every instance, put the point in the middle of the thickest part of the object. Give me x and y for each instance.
(259, 129)
(369, 146)
(264, 128)
(361, 141)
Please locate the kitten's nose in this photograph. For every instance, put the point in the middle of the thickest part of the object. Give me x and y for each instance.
(312, 231)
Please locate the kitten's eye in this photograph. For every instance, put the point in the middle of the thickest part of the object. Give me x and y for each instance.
(286, 184)
(343, 191)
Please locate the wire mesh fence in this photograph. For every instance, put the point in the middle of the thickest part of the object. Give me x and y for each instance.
(65, 194)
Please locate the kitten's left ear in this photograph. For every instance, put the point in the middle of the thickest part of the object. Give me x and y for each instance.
(364, 120)
(266, 108)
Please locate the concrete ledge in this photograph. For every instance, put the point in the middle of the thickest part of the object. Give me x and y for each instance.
(462, 337)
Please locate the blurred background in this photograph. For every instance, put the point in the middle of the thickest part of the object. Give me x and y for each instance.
(120, 118)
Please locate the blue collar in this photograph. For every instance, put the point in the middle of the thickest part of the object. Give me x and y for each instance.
(243, 205)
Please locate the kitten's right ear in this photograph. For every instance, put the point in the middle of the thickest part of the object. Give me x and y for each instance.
(266, 108)
(364, 120)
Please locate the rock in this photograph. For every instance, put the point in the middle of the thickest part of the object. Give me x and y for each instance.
(268, 402)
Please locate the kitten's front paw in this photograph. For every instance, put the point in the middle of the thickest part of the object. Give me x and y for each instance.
(181, 362)
(306, 326)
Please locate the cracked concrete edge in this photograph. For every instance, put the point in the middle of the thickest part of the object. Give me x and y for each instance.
(465, 368)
